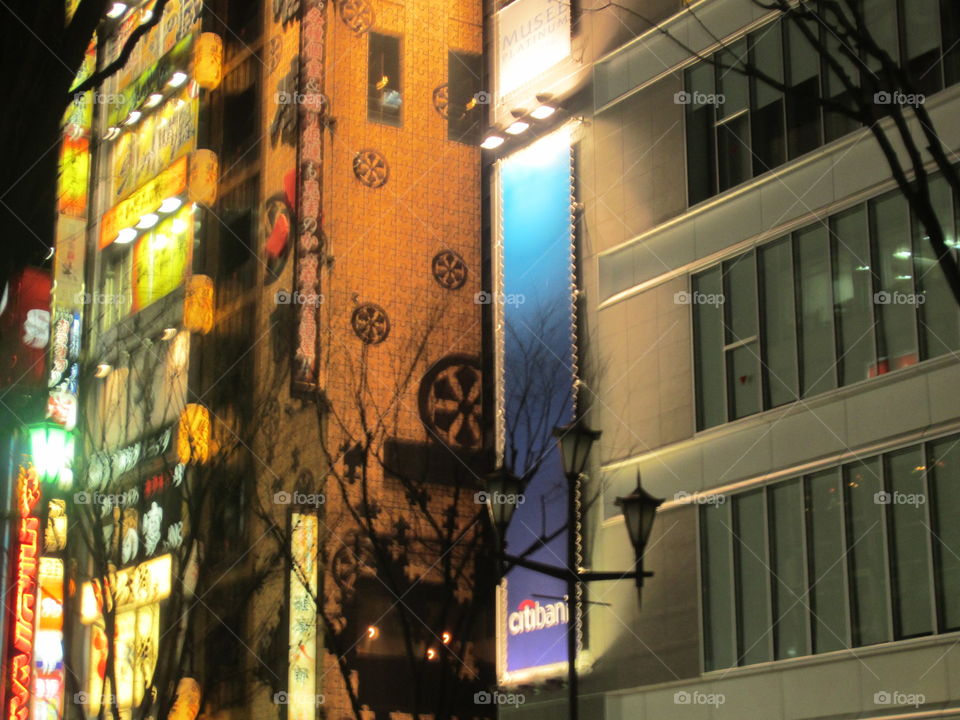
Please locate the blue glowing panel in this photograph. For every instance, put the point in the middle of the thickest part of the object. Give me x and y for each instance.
(537, 375)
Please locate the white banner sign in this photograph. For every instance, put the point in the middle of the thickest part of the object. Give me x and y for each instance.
(532, 37)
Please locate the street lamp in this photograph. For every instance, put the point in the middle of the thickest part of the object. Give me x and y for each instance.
(502, 497)
(51, 447)
(575, 441)
(639, 510)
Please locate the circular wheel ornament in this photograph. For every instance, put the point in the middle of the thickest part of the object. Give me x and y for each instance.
(357, 15)
(441, 100)
(450, 400)
(370, 323)
(449, 269)
(371, 168)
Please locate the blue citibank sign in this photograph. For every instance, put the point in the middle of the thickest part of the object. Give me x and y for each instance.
(536, 369)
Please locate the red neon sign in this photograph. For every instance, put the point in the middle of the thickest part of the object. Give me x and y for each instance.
(28, 491)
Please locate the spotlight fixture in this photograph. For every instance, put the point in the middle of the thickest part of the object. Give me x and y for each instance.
(103, 369)
(153, 100)
(116, 10)
(125, 236)
(517, 127)
(543, 112)
(492, 142)
(132, 117)
(168, 333)
(147, 221)
(177, 79)
(170, 204)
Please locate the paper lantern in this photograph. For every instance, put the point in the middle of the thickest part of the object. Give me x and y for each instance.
(187, 704)
(204, 176)
(208, 60)
(198, 304)
(193, 434)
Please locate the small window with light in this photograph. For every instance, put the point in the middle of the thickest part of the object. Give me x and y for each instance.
(384, 91)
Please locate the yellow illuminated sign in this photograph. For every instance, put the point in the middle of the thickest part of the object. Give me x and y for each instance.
(170, 183)
(144, 584)
(161, 258)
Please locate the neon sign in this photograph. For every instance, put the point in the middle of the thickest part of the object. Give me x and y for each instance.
(28, 492)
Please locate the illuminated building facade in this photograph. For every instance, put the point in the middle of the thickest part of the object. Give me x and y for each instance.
(270, 239)
(764, 337)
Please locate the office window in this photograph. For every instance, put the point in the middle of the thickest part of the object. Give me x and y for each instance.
(700, 83)
(842, 556)
(853, 296)
(803, 80)
(718, 587)
(708, 329)
(787, 566)
(836, 124)
(817, 366)
(939, 321)
(778, 322)
(895, 299)
(944, 477)
(950, 32)
(464, 112)
(828, 597)
(384, 90)
(865, 536)
(906, 501)
(921, 34)
(734, 161)
(741, 349)
(767, 129)
(751, 564)
(241, 111)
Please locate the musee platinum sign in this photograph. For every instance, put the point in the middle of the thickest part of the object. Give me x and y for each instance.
(532, 36)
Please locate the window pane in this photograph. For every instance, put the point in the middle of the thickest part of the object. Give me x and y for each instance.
(895, 301)
(853, 296)
(717, 587)
(734, 86)
(867, 555)
(910, 567)
(701, 161)
(779, 329)
(464, 113)
(950, 27)
(939, 316)
(708, 331)
(733, 151)
(817, 366)
(945, 487)
(922, 34)
(743, 363)
(803, 109)
(789, 578)
(881, 20)
(753, 579)
(384, 95)
(837, 124)
(767, 112)
(827, 578)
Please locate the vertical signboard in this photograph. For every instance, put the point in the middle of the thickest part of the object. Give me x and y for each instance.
(25, 596)
(536, 372)
(532, 37)
(302, 678)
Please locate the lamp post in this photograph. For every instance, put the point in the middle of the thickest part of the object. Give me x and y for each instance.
(639, 510)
